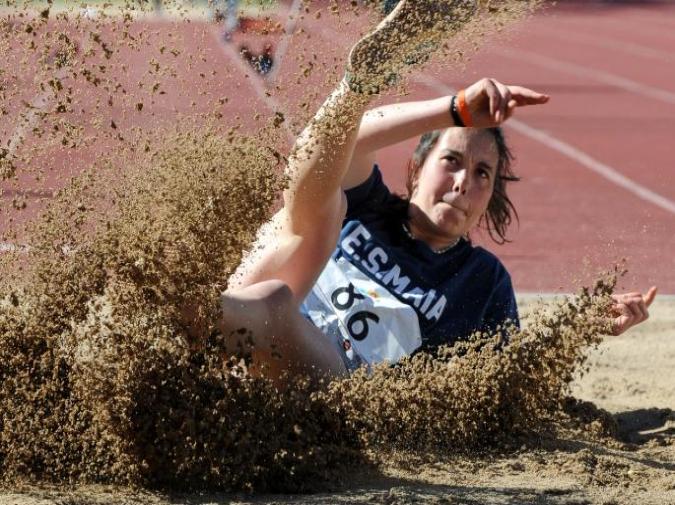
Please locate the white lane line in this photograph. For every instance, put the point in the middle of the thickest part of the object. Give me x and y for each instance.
(41, 100)
(631, 48)
(571, 152)
(36, 105)
(12, 247)
(28, 120)
(630, 27)
(567, 150)
(282, 48)
(557, 65)
(591, 163)
(24, 248)
(648, 17)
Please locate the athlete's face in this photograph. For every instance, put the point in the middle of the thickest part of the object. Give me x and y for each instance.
(455, 183)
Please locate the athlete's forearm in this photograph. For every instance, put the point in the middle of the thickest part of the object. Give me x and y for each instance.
(390, 124)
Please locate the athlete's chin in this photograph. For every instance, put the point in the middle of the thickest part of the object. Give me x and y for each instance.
(451, 230)
(452, 222)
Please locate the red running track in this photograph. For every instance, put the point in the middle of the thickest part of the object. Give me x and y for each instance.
(596, 162)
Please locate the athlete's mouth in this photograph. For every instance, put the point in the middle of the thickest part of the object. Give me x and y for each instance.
(454, 205)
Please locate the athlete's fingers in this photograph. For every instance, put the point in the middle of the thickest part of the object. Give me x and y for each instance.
(633, 298)
(629, 311)
(620, 324)
(628, 316)
(615, 310)
(622, 297)
(639, 309)
(511, 108)
(622, 309)
(493, 96)
(526, 96)
(647, 298)
(505, 98)
(643, 309)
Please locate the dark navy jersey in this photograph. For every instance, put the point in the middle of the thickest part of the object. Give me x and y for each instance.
(383, 295)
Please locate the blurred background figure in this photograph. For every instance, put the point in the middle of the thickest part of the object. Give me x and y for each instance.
(261, 63)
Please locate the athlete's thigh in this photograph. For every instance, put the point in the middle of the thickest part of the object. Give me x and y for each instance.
(300, 348)
(283, 339)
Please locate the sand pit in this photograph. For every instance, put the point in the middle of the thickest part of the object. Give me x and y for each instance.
(566, 470)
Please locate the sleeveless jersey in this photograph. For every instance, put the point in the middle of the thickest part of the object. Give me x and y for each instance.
(383, 295)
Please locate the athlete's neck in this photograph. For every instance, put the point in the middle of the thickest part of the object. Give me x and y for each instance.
(421, 228)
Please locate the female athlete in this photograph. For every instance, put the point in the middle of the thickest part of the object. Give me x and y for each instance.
(346, 273)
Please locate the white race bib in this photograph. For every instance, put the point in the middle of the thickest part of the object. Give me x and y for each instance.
(372, 321)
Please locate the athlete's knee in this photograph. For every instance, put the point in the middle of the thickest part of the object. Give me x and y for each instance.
(266, 299)
(262, 309)
(277, 295)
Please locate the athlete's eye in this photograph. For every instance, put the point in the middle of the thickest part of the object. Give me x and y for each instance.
(452, 160)
(483, 173)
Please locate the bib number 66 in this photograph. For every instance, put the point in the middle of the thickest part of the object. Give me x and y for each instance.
(357, 324)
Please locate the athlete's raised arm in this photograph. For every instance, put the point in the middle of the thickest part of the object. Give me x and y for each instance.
(487, 103)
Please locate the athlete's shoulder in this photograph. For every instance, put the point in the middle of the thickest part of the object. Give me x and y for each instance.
(372, 198)
(488, 260)
(373, 185)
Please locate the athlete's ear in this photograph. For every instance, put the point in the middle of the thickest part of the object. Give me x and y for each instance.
(414, 187)
(413, 174)
(414, 184)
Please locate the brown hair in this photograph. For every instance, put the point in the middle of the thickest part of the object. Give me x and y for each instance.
(500, 211)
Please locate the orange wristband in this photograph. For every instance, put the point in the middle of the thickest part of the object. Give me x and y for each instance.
(463, 109)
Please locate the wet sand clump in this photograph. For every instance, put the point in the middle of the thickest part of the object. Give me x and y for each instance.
(417, 31)
(100, 380)
(481, 394)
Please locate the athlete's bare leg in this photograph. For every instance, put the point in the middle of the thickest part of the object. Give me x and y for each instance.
(283, 340)
(296, 244)
(264, 295)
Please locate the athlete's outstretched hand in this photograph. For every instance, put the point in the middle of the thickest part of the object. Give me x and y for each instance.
(490, 102)
(630, 309)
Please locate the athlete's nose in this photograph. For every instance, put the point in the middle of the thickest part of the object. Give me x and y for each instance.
(460, 181)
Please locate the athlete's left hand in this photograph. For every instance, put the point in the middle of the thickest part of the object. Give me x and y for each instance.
(630, 309)
(491, 102)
